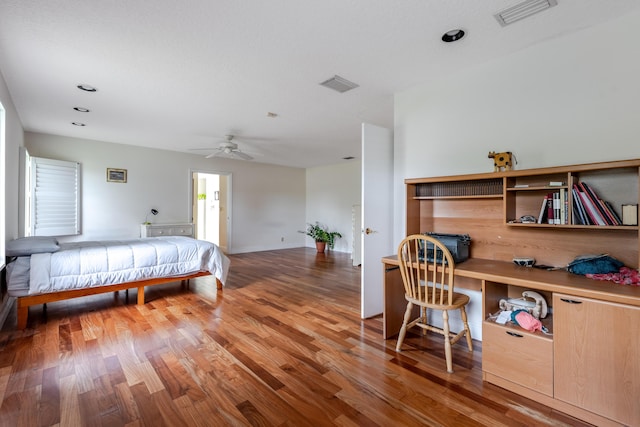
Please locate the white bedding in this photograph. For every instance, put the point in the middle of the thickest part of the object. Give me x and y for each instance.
(89, 264)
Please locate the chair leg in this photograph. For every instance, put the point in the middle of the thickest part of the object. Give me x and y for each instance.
(403, 330)
(467, 331)
(423, 315)
(447, 340)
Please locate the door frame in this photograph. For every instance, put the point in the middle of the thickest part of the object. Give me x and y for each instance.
(228, 201)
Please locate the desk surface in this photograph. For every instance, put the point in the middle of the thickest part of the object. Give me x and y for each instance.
(544, 280)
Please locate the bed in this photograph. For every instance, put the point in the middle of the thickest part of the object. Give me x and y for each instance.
(41, 270)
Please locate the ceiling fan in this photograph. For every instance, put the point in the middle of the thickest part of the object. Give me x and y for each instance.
(229, 149)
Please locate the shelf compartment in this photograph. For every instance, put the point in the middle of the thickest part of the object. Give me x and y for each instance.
(538, 181)
(479, 188)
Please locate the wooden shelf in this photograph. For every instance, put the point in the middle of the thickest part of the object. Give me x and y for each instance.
(489, 196)
(576, 226)
(484, 206)
(537, 188)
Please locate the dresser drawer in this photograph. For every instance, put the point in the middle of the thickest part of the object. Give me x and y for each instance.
(186, 230)
(167, 230)
(518, 356)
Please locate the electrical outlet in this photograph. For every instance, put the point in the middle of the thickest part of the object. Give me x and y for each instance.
(282, 239)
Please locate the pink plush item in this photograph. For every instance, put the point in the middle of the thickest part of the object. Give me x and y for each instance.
(626, 276)
(528, 322)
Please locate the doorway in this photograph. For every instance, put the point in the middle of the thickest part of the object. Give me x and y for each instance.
(210, 202)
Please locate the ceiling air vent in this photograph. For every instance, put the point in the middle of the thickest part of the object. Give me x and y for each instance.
(338, 83)
(523, 10)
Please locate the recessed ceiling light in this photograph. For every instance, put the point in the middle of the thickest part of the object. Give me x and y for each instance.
(78, 124)
(81, 109)
(452, 35)
(87, 88)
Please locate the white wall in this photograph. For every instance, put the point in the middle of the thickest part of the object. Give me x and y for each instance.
(331, 193)
(14, 140)
(14, 137)
(268, 202)
(565, 101)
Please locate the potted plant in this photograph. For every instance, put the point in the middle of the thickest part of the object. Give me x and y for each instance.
(322, 236)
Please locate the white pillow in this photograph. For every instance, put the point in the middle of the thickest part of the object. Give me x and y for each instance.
(26, 246)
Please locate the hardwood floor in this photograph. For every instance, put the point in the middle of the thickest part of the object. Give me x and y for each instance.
(282, 344)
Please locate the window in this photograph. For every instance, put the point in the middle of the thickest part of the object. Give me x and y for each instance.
(54, 197)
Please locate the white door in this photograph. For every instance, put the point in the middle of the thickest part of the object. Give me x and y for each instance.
(377, 214)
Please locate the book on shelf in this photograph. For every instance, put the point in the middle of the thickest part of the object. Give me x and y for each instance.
(550, 219)
(613, 212)
(542, 217)
(582, 218)
(630, 214)
(575, 215)
(564, 207)
(610, 218)
(595, 200)
(557, 208)
(590, 207)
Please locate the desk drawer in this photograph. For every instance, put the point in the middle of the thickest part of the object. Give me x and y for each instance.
(519, 357)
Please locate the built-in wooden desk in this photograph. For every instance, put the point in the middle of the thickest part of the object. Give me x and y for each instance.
(581, 368)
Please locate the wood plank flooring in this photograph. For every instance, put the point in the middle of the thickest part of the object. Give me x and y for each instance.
(282, 345)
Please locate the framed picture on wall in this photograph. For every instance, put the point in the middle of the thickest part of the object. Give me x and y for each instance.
(116, 175)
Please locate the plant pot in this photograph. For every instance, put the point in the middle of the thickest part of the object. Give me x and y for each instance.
(320, 246)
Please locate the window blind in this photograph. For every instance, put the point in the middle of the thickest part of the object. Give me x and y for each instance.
(55, 196)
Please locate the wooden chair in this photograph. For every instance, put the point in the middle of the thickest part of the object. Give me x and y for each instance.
(427, 268)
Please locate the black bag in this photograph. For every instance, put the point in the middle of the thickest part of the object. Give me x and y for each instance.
(594, 264)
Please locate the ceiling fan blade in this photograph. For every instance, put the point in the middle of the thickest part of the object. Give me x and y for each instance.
(242, 155)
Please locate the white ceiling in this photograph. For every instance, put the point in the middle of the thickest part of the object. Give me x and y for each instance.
(181, 75)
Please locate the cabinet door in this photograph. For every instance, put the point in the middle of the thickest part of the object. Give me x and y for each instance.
(597, 357)
(517, 356)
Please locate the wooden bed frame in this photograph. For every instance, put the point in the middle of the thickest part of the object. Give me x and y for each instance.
(23, 303)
